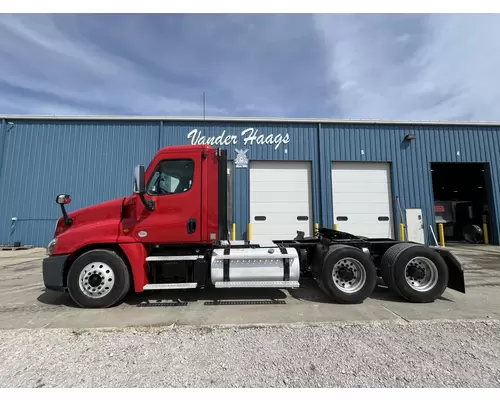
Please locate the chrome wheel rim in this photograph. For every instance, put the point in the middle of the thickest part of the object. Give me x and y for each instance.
(96, 280)
(421, 274)
(349, 275)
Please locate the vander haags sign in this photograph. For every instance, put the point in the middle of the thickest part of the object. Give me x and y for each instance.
(247, 137)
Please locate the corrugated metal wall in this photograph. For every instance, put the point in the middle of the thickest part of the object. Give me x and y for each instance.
(93, 161)
(410, 160)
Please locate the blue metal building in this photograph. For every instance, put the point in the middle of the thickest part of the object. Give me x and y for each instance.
(343, 172)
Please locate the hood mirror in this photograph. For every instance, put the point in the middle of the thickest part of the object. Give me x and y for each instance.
(62, 200)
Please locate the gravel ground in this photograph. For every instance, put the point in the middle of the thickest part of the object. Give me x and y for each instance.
(383, 354)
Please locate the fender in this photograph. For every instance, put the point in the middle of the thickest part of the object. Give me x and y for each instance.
(70, 241)
(136, 254)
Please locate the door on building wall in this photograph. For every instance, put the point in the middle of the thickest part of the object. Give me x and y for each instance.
(415, 225)
(362, 198)
(280, 199)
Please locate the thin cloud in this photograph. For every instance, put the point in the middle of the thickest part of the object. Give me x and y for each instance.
(419, 67)
(437, 67)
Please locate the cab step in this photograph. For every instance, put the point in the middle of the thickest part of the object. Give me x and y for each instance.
(174, 258)
(170, 286)
(258, 284)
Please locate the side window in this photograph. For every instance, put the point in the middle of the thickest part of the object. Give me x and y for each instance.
(171, 176)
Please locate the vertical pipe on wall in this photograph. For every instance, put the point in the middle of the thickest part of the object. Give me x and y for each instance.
(159, 134)
(324, 154)
(317, 170)
(3, 140)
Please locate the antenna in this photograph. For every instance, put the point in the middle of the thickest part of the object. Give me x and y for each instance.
(203, 106)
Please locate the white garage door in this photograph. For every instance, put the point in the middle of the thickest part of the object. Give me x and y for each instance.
(280, 199)
(362, 199)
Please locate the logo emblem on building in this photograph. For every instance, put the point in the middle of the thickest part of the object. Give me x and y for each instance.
(241, 160)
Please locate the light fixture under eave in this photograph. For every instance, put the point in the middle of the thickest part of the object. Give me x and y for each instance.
(410, 136)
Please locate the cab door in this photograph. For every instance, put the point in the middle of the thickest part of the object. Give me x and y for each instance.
(175, 187)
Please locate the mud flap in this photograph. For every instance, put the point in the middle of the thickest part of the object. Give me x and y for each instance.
(456, 279)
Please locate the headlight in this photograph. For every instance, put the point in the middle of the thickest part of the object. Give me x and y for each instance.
(51, 246)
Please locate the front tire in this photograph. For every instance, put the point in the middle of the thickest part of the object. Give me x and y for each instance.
(348, 275)
(98, 279)
(415, 272)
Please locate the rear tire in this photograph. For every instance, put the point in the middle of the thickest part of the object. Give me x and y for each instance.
(348, 275)
(415, 272)
(98, 279)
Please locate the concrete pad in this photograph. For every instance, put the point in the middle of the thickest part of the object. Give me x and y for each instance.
(202, 307)
(24, 303)
(13, 257)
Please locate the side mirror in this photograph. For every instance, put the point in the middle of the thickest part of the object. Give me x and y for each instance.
(63, 199)
(139, 179)
(140, 186)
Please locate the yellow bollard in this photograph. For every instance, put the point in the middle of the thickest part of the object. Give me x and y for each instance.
(249, 234)
(485, 233)
(233, 234)
(441, 235)
(401, 232)
(316, 228)
(336, 227)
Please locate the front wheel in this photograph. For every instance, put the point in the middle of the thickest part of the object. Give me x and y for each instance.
(98, 279)
(348, 275)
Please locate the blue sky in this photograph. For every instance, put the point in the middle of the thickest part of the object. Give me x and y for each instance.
(409, 67)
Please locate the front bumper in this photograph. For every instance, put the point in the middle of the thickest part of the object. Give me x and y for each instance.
(53, 272)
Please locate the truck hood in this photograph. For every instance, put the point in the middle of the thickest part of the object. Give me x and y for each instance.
(107, 210)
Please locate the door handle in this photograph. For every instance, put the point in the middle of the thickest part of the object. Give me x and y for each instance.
(191, 226)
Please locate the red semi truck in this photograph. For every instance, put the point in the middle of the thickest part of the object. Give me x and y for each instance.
(172, 233)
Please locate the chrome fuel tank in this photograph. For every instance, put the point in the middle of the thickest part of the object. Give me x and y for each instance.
(262, 264)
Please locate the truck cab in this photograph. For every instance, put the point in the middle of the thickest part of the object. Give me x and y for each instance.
(172, 233)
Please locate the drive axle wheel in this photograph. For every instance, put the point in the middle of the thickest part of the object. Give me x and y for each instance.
(417, 273)
(98, 279)
(348, 276)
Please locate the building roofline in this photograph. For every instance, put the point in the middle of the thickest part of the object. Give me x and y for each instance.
(18, 117)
